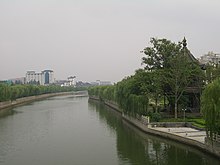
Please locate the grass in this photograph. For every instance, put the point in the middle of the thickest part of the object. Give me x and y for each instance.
(198, 122)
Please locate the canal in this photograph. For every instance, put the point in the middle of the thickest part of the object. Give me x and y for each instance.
(71, 130)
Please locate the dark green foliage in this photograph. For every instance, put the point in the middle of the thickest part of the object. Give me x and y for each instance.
(131, 95)
(210, 102)
(169, 70)
(5, 92)
(173, 70)
(155, 117)
(128, 94)
(12, 92)
(159, 54)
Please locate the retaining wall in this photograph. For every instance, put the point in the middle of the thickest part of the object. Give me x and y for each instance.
(209, 147)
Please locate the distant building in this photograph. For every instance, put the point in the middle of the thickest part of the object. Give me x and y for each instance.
(100, 83)
(83, 84)
(48, 76)
(71, 81)
(18, 80)
(211, 57)
(60, 82)
(43, 78)
(3, 82)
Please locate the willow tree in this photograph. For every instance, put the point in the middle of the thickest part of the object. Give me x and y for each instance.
(131, 94)
(4, 92)
(210, 106)
(150, 84)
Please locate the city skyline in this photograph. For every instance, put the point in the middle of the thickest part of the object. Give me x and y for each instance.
(36, 76)
(99, 39)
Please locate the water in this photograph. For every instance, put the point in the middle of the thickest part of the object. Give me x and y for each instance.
(70, 130)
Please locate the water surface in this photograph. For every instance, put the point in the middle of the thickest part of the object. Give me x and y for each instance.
(70, 130)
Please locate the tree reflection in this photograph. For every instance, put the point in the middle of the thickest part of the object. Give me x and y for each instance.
(138, 148)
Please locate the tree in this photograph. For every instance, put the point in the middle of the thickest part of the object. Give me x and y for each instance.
(210, 106)
(177, 68)
(156, 86)
(4, 92)
(181, 74)
(158, 55)
(150, 84)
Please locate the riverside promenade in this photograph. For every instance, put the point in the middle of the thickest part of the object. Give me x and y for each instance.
(185, 132)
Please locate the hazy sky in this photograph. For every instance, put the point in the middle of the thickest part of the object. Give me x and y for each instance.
(98, 39)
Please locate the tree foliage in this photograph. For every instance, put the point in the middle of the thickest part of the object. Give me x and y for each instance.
(211, 108)
(128, 94)
(12, 92)
(181, 74)
(159, 54)
(169, 69)
(173, 69)
(131, 95)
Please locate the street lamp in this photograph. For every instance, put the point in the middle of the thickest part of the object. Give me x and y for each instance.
(184, 113)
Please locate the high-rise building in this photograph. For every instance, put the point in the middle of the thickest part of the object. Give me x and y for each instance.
(43, 78)
(48, 76)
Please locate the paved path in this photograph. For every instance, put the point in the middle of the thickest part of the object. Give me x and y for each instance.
(185, 132)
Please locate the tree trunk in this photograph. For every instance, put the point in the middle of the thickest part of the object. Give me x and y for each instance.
(164, 101)
(176, 98)
(175, 108)
(156, 102)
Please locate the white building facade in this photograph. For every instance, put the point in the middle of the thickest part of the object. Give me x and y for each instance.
(213, 58)
(101, 83)
(45, 77)
(70, 82)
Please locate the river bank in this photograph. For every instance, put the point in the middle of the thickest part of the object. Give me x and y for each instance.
(25, 100)
(180, 132)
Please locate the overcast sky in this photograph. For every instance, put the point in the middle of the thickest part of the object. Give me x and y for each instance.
(98, 39)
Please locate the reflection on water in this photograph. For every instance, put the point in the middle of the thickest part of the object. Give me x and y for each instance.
(68, 130)
(6, 112)
(136, 147)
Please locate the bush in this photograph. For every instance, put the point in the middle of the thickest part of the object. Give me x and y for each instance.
(156, 117)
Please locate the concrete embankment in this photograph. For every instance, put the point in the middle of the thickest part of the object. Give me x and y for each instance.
(184, 134)
(24, 100)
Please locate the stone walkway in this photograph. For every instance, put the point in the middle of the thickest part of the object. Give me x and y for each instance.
(185, 132)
